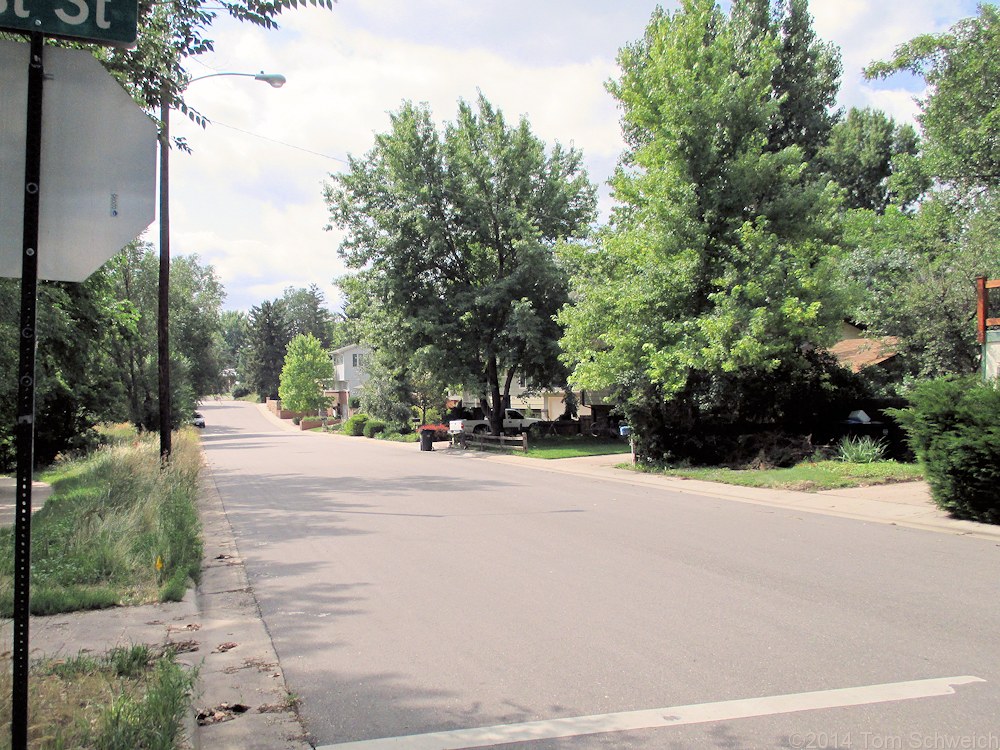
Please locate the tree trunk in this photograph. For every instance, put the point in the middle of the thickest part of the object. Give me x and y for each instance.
(506, 385)
(493, 377)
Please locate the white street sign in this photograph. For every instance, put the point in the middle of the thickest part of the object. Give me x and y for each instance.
(98, 182)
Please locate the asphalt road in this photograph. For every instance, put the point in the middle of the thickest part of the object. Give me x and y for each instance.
(413, 592)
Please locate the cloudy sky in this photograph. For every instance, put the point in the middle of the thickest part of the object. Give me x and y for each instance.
(249, 199)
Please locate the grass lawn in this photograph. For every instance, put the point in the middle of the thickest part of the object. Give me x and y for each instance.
(808, 476)
(129, 698)
(574, 446)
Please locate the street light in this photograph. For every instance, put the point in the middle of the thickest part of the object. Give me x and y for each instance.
(275, 80)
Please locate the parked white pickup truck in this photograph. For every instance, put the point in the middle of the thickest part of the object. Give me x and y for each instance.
(513, 422)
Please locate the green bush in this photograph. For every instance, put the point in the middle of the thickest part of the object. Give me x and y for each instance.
(953, 425)
(356, 425)
(399, 428)
(861, 450)
(374, 427)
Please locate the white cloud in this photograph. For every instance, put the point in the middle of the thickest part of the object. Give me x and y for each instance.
(253, 208)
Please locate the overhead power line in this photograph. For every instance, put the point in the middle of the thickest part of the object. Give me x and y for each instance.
(280, 143)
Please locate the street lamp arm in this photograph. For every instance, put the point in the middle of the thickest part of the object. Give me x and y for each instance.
(275, 80)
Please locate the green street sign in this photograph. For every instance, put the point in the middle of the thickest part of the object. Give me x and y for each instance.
(100, 21)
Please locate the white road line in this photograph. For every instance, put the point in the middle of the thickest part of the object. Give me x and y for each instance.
(673, 716)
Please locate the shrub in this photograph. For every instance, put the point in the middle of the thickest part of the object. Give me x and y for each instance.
(861, 450)
(400, 428)
(374, 427)
(241, 392)
(356, 425)
(953, 425)
(354, 402)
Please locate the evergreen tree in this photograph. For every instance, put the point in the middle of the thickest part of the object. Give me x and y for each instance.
(264, 354)
(306, 313)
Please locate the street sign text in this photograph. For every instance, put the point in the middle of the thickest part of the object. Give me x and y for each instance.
(101, 21)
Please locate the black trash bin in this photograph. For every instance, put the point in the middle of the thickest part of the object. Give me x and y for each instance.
(427, 440)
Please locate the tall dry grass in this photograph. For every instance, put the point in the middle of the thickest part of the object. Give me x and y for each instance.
(118, 529)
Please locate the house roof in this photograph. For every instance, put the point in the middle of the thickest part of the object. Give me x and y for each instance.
(350, 347)
(858, 353)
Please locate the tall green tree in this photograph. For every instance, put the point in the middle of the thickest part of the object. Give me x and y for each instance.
(869, 156)
(196, 297)
(912, 273)
(451, 234)
(307, 365)
(806, 74)
(306, 313)
(233, 331)
(710, 288)
(264, 354)
(806, 81)
(960, 115)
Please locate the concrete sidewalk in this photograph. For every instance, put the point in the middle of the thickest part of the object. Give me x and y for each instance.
(40, 492)
(242, 702)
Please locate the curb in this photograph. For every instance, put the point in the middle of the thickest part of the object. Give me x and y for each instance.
(243, 696)
(926, 517)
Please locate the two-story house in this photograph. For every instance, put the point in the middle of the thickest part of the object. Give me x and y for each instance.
(349, 374)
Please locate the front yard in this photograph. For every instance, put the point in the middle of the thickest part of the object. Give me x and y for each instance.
(574, 446)
(807, 476)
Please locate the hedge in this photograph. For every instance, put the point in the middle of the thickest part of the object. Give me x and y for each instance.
(373, 427)
(953, 425)
(356, 425)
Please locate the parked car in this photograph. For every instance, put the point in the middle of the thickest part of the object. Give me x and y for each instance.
(513, 422)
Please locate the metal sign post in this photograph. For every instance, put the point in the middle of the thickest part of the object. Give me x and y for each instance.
(96, 21)
(25, 429)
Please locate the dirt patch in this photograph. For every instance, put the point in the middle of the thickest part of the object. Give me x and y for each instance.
(222, 712)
